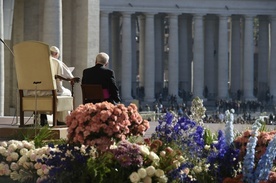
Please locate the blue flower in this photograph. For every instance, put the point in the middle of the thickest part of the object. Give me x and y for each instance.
(248, 162)
(266, 162)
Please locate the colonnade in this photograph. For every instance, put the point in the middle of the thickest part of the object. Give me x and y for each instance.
(188, 52)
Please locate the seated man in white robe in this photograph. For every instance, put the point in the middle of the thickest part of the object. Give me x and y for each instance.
(63, 71)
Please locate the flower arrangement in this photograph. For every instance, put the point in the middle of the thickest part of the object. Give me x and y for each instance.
(106, 144)
(102, 124)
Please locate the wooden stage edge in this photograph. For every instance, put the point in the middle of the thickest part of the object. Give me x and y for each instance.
(10, 130)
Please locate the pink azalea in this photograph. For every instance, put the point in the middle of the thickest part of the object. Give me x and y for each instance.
(94, 124)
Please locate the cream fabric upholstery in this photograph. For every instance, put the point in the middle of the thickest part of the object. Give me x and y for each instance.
(32, 62)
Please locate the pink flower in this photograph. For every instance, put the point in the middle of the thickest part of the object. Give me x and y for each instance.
(99, 124)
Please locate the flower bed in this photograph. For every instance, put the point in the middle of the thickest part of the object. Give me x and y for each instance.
(106, 144)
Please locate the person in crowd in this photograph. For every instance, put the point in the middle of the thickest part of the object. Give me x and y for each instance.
(100, 74)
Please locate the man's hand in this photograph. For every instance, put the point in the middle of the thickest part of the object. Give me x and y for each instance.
(74, 80)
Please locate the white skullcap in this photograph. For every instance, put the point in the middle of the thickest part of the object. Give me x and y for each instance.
(54, 49)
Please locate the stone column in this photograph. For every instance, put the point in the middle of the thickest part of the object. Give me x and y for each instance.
(190, 51)
(273, 57)
(263, 51)
(105, 34)
(141, 78)
(2, 63)
(149, 58)
(235, 81)
(223, 68)
(184, 59)
(126, 58)
(173, 62)
(86, 38)
(198, 64)
(210, 73)
(248, 72)
(115, 58)
(52, 24)
(134, 58)
(159, 56)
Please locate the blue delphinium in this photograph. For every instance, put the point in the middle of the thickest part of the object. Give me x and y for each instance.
(266, 162)
(180, 175)
(222, 154)
(248, 162)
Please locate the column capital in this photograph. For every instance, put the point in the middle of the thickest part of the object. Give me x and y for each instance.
(174, 15)
(127, 13)
(249, 17)
(105, 13)
(198, 15)
(223, 16)
(149, 14)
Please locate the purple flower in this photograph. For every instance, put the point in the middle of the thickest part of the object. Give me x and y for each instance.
(128, 154)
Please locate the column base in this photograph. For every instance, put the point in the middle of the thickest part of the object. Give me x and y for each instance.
(127, 101)
(250, 98)
(149, 100)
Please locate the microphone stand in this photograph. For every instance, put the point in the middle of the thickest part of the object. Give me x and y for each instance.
(16, 102)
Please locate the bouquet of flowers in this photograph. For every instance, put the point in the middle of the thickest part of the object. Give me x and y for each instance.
(102, 124)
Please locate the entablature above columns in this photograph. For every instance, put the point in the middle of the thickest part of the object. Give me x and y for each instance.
(231, 7)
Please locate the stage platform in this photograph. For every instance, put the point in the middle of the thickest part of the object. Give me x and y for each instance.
(9, 128)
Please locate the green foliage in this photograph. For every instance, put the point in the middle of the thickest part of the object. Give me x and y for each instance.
(38, 135)
(98, 168)
(209, 137)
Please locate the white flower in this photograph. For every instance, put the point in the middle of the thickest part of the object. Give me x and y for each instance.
(3, 144)
(163, 153)
(207, 147)
(147, 180)
(23, 151)
(176, 163)
(3, 150)
(150, 171)
(37, 165)
(163, 179)
(4, 169)
(159, 173)
(39, 172)
(134, 177)
(153, 156)
(181, 159)
(142, 173)
(12, 147)
(22, 160)
(197, 169)
(28, 145)
(113, 146)
(14, 166)
(15, 175)
(14, 156)
(144, 150)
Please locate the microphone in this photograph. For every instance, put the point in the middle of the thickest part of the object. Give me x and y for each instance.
(7, 46)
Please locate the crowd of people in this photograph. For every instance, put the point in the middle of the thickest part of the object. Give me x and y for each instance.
(246, 112)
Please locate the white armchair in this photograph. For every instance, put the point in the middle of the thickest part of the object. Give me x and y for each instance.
(35, 72)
